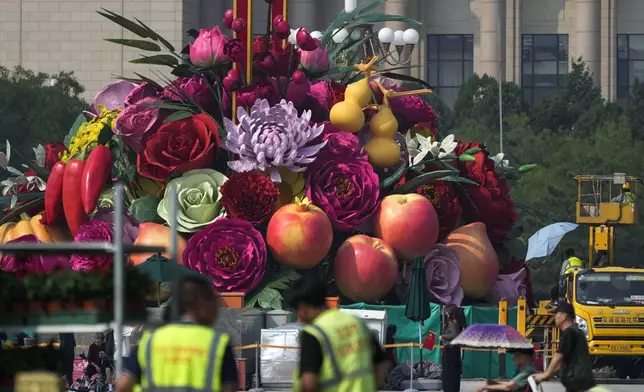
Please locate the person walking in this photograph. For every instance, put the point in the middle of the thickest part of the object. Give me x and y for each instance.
(572, 359)
(186, 355)
(338, 352)
(453, 324)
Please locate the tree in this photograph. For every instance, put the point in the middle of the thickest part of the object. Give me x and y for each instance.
(37, 108)
(561, 112)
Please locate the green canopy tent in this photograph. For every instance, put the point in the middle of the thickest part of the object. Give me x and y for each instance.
(160, 269)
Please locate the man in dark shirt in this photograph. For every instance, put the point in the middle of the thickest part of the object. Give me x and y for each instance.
(572, 358)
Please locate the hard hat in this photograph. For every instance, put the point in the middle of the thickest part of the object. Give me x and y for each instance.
(626, 187)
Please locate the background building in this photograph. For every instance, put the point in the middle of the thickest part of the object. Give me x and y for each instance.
(529, 42)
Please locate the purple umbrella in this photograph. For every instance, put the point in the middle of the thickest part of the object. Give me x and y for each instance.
(492, 336)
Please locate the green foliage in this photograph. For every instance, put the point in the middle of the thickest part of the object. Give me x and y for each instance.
(144, 208)
(269, 296)
(38, 107)
(571, 133)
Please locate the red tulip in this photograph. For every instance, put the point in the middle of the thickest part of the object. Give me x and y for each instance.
(232, 81)
(278, 19)
(305, 41)
(229, 16)
(282, 29)
(238, 25)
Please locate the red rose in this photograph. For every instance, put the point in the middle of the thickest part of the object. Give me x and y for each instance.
(52, 154)
(490, 201)
(179, 146)
(250, 196)
(281, 56)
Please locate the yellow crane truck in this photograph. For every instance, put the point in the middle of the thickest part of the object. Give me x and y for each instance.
(608, 300)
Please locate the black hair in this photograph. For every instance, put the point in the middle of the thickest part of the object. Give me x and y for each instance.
(567, 309)
(454, 313)
(189, 290)
(554, 293)
(570, 252)
(306, 292)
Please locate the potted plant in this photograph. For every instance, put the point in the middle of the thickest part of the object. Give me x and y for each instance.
(67, 283)
(36, 295)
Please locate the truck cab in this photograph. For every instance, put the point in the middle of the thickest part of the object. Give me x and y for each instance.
(609, 309)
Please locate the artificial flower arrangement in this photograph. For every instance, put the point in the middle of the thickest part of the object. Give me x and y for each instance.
(336, 171)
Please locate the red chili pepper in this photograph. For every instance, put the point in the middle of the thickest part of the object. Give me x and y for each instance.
(95, 174)
(54, 194)
(72, 205)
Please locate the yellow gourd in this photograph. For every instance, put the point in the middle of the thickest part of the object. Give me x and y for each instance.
(384, 124)
(359, 92)
(383, 152)
(31, 225)
(348, 116)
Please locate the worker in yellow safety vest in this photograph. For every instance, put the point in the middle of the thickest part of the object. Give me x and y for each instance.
(569, 265)
(188, 355)
(625, 197)
(338, 352)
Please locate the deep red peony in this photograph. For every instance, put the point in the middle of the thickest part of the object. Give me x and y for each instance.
(179, 146)
(250, 196)
(490, 202)
(52, 154)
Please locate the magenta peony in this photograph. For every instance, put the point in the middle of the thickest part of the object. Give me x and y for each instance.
(130, 224)
(443, 272)
(345, 188)
(141, 92)
(231, 252)
(92, 231)
(316, 61)
(32, 263)
(208, 48)
(136, 120)
(339, 143)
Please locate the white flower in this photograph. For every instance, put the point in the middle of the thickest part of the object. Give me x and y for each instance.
(499, 163)
(444, 148)
(417, 148)
(4, 157)
(39, 152)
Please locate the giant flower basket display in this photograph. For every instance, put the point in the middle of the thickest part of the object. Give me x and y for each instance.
(284, 166)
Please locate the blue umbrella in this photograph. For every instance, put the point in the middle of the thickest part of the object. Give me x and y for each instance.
(543, 242)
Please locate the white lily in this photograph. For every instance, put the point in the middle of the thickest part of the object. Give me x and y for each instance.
(4, 157)
(417, 147)
(500, 163)
(444, 148)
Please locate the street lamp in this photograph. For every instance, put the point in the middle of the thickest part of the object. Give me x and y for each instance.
(377, 44)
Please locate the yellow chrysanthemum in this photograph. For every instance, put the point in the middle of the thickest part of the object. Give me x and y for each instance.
(291, 187)
(88, 132)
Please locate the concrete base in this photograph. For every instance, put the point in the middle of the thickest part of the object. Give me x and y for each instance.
(423, 384)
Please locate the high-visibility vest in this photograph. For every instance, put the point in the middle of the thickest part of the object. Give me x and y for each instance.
(573, 263)
(182, 358)
(628, 198)
(348, 353)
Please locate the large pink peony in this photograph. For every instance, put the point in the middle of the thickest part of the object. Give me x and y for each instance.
(33, 262)
(231, 252)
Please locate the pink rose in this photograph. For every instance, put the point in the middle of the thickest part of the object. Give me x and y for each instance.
(208, 48)
(136, 120)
